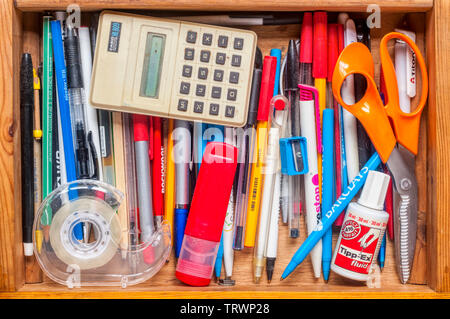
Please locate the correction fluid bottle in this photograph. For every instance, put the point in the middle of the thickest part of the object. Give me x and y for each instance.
(362, 230)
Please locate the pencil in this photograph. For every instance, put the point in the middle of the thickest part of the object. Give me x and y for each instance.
(169, 195)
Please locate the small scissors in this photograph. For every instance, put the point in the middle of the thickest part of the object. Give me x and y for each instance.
(393, 133)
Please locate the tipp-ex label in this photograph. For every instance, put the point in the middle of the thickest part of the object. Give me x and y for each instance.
(359, 240)
(114, 36)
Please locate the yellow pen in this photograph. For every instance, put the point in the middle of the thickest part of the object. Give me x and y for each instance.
(320, 73)
(262, 128)
(37, 134)
(169, 194)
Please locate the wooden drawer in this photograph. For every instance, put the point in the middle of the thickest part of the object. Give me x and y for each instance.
(431, 275)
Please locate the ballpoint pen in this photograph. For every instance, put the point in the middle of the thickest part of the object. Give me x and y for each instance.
(158, 171)
(227, 234)
(294, 181)
(256, 179)
(130, 178)
(365, 148)
(26, 139)
(309, 123)
(271, 163)
(241, 19)
(37, 150)
(64, 108)
(245, 143)
(319, 73)
(169, 194)
(182, 156)
(340, 110)
(91, 113)
(328, 151)
(143, 176)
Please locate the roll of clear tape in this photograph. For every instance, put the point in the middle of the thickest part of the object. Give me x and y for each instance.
(105, 223)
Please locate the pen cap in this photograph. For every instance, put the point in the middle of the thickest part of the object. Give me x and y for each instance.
(374, 190)
(207, 214)
(267, 82)
(292, 67)
(73, 62)
(306, 39)
(254, 97)
(141, 127)
(320, 45)
(332, 49)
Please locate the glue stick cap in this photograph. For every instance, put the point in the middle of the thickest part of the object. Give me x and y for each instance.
(374, 190)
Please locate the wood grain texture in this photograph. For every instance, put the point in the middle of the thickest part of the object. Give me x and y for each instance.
(31, 44)
(438, 222)
(231, 5)
(11, 251)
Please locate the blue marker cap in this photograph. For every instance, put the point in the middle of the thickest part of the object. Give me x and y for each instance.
(276, 53)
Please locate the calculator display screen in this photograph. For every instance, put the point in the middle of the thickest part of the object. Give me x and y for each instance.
(153, 58)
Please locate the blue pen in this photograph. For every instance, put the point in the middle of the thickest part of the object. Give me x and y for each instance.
(382, 253)
(64, 110)
(182, 156)
(276, 53)
(327, 186)
(331, 215)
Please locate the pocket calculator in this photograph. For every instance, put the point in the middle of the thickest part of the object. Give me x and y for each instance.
(173, 69)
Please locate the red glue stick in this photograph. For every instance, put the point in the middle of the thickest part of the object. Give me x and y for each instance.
(207, 214)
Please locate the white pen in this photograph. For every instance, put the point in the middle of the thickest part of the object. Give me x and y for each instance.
(348, 95)
(227, 234)
(271, 165)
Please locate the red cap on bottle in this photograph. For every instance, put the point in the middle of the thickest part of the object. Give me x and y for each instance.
(207, 214)
(306, 39)
(267, 84)
(332, 49)
(320, 45)
(140, 127)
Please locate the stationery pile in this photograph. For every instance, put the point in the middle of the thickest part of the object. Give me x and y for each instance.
(317, 131)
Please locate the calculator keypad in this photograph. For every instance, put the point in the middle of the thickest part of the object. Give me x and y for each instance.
(213, 69)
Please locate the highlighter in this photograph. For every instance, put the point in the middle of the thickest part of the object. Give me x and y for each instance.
(207, 214)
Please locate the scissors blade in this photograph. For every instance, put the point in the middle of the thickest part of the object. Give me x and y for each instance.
(401, 166)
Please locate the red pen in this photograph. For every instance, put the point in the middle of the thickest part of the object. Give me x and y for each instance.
(338, 129)
(158, 171)
(333, 49)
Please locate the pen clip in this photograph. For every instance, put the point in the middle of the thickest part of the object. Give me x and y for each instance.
(93, 155)
(315, 93)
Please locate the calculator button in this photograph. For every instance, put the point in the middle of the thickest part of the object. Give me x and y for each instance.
(200, 90)
(229, 111)
(207, 39)
(202, 73)
(238, 44)
(214, 109)
(236, 60)
(216, 92)
(182, 105)
(205, 55)
(232, 93)
(220, 58)
(218, 75)
(198, 107)
(185, 87)
(191, 37)
(234, 77)
(223, 41)
(189, 54)
(187, 71)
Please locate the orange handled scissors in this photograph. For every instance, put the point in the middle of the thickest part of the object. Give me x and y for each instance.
(394, 134)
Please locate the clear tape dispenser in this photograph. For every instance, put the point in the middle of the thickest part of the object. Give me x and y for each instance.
(106, 253)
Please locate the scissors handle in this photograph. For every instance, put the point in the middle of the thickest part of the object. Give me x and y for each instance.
(357, 59)
(406, 125)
